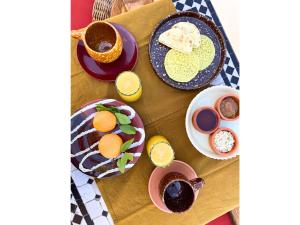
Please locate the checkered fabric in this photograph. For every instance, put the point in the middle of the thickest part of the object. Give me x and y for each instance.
(230, 74)
(87, 205)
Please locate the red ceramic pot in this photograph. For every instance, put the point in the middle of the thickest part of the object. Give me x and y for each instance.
(212, 145)
(218, 106)
(214, 112)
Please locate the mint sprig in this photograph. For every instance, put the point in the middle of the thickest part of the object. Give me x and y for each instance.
(121, 163)
(126, 145)
(124, 122)
(101, 107)
(127, 129)
(122, 118)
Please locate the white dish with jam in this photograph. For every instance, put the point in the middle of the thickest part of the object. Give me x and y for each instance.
(200, 141)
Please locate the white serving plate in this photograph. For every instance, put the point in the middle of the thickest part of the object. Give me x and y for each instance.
(200, 141)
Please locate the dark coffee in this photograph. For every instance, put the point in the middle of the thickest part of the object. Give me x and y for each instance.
(178, 196)
(207, 120)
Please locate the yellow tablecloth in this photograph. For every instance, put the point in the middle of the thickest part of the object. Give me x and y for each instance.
(162, 109)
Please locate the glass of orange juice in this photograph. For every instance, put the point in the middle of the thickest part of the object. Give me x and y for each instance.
(129, 86)
(160, 151)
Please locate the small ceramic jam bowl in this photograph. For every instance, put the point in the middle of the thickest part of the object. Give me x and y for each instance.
(206, 120)
(217, 151)
(101, 40)
(219, 106)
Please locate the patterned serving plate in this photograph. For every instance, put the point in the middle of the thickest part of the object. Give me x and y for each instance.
(158, 51)
(84, 140)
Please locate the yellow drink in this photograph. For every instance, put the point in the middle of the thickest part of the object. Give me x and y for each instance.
(160, 151)
(129, 86)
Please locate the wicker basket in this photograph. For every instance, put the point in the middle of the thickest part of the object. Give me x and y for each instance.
(103, 9)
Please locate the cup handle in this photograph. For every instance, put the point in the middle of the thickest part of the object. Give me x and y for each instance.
(197, 183)
(77, 33)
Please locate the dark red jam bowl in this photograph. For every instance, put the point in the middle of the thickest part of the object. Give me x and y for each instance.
(206, 120)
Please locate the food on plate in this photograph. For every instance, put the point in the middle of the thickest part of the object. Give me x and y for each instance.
(223, 142)
(183, 37)
(129, 86)
(160, 151)
(228, 107)
(191, 30)
(176, 39)
(104, 121)
(181, 67)
(110, 145)
(205, 53)
(121, 163)
(123, 120)
(206, 120)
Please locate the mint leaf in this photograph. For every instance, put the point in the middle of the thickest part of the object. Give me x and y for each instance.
(100, 107)
(128, 156)
(122, 118)
(114, 110)
(127, 129)
(126, 145)
(121, 165)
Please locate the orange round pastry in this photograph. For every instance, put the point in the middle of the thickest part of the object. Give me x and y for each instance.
(104, 121)
(110, 145)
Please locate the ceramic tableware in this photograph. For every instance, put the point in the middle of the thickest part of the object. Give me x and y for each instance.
(84, 140)
(162, 177)
(109, 71)
(158, 51)
(101, 40)
(200, 141)
(206, 120)
(177, 192)
(213, 147)
(222, 105)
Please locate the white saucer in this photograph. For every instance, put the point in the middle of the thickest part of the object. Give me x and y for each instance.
(200, 141)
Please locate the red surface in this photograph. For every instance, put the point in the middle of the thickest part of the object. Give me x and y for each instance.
(81, 13)
(222, 220)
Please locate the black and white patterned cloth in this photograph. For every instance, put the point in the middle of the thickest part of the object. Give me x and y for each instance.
(230, 74)
(87, 204)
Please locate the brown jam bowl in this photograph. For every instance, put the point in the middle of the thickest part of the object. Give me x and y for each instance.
(206, 120)
(228, 97)
(213, 147)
